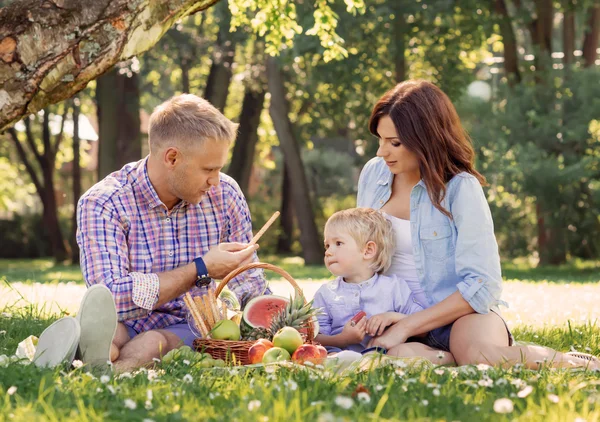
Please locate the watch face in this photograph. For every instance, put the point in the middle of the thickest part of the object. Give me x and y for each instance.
(203, 281)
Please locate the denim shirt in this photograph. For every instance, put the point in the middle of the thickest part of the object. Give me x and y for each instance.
(458, 253)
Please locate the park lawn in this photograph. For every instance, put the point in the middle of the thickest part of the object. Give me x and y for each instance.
(179, 391)
(44, 270)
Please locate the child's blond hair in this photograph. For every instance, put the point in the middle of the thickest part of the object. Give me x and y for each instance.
(365, 225)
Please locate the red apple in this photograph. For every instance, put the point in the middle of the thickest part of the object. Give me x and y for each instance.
(322, 350)
(307, 353)
(275, 354)
(266, 342)
(257, 350)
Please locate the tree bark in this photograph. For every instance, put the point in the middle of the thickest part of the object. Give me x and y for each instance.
(244, 149)
(76, 182)
(51, 49)
(219, 77)
(568, 34)
(511, 58)
(592, 36)
(284, 242)
(118, 105)
(312, 246)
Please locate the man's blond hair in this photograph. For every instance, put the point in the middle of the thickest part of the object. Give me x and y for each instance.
(365, 225)
(186, 121)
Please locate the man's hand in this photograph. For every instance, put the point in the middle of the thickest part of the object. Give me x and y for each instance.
(354, 332)
(378, 323)
(226, 257)
(393, 336)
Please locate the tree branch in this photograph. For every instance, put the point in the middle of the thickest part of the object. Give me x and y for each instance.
(31, 139)
(59, 137)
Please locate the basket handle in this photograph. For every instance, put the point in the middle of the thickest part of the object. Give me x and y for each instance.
(310, 329)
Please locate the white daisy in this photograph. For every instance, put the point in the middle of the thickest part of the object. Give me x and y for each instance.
(104, 379)
(525, 392)
(253, 405)
(130, 404)
(553, 398)
(188, 378)
(503, 406)
(12, 390)
(363, 397)
(344, 402)
(77, 364)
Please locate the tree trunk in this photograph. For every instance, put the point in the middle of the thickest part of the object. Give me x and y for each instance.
(118, 105)
(312, 246)
(76, 182)
(44, 182)
(244, 149)
(592, 35)
(51, 49)
(511, 58)
(286, 235)
(219, 77)
(568, 34)
(541, 36)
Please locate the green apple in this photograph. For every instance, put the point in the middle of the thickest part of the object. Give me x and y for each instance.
(225, 329)
(288, 338)
(276, 354)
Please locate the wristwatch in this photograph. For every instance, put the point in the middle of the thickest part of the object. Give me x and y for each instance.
(203, 279)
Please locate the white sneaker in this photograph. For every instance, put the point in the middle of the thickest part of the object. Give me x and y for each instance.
(57, 343)
(97, 317)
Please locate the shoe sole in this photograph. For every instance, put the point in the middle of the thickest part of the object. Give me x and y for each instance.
(57, 343)
(97, 317)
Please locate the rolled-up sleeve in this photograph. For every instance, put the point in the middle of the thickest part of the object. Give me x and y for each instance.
(251, 283)
(477, 258)
(104, 260)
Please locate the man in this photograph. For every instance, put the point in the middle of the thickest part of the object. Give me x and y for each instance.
(155, 230)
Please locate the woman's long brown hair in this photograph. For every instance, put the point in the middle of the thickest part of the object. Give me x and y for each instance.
(428, 125)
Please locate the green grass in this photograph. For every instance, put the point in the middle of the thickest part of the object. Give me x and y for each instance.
(257, 394)
(45, 271)
(295, 394)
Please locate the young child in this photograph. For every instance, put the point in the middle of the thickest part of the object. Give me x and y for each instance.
(359, 244)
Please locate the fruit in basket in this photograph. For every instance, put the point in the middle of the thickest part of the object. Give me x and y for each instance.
(265, 315)
(307, 353)
(275, 354)
(268, 343)
(258, 314)
(287, 338)
(225, 330)
(322, 350)
(257, 351)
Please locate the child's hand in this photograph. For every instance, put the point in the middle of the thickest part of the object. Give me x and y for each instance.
(378, 323)
(355, 332)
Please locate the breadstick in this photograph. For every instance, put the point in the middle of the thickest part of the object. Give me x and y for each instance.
(213, 303)
(264, 228)
(224, 309)
(208, 310)
(204, 312)
(195, 314)
(200, 307)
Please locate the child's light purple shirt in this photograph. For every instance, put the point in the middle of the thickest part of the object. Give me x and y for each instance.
(341, 301)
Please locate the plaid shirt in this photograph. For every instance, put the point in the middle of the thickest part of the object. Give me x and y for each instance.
(126, 236)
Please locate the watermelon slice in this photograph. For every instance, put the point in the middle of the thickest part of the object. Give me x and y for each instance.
(259, 312)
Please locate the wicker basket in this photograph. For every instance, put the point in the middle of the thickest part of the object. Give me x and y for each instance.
(236, 351)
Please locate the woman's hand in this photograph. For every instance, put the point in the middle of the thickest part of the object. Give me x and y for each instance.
(354, 333)
(378, 323)
(393, 336)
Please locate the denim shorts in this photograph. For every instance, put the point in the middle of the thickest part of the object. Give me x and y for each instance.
(439, 338)
(181, 330)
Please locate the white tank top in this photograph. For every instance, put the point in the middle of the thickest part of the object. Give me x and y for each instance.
(403, 261)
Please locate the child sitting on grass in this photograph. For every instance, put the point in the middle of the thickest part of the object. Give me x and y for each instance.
(359, 244)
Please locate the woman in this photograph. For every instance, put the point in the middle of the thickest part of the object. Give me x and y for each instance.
(423, 178)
